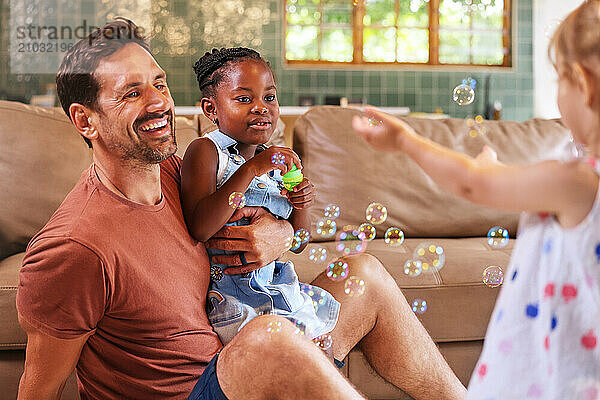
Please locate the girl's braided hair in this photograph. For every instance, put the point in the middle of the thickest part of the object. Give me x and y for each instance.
(210, 69)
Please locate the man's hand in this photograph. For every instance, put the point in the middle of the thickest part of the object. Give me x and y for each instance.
(263, 241)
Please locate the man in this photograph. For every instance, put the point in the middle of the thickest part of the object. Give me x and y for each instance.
(114, 285)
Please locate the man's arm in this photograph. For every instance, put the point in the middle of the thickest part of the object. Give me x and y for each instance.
(48, 363)
(263, 241)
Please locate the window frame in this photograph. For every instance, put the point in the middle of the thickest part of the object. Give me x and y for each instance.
(358, 12)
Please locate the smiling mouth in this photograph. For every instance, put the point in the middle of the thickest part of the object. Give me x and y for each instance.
(260, 125)
(155, 126)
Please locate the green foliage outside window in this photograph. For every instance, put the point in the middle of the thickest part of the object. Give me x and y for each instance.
(398, 31)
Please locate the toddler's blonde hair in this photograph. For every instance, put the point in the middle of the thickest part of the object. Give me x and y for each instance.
(577, 40)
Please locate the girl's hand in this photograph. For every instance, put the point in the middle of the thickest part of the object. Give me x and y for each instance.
(264, 162)
(488, 156)
(380, 130)
(301, 196)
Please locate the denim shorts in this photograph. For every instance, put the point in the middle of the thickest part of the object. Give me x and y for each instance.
(208, 388)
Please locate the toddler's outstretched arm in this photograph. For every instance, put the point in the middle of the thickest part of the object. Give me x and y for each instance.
(565, 189)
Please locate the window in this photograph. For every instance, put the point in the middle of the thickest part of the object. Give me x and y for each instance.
(430, 32)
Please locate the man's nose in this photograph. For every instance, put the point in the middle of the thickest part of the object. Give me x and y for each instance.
(156, 100)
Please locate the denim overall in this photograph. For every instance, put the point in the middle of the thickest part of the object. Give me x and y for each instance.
(233, 300)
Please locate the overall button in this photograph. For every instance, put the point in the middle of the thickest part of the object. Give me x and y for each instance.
(262, 185)
(238, 159)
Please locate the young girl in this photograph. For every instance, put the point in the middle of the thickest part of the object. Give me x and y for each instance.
(542, 339)
(239, 96)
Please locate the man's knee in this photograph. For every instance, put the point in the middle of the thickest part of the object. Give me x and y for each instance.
(367, 266)
(268, 334)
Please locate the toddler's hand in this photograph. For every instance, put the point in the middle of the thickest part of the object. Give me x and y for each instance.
(275, 157)
(380, 130)
(487, 156)
(301, 196)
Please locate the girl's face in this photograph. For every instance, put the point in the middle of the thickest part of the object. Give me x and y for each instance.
(576, 114)
(246, 102)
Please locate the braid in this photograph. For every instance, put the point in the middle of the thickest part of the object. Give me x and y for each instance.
(211, 66)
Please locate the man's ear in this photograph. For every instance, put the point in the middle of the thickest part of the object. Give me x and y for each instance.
(587, 83)
(209, 109)
(84, 120)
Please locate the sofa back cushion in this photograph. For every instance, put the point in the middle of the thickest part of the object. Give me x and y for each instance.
(346, 171)
(42, 158)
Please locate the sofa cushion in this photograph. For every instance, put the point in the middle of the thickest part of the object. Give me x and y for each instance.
(12, 336)
(41, 160)
(345, 170)
(459, 304)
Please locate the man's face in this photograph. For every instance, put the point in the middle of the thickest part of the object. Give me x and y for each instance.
(135, 107)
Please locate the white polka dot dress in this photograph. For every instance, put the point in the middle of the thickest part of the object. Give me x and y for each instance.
(543, 338)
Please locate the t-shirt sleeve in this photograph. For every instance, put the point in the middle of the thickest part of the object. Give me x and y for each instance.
(62, 288)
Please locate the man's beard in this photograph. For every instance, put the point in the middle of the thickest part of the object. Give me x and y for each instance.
(142, 153)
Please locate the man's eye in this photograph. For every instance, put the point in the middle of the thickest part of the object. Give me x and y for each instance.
(132, 94)
(270, 97)
(160, 86)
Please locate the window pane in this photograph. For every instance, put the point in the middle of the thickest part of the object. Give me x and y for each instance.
(487, 14)
(337, 45)
(414, 13)
(380, 13)
(413, 45)
(301, 43)
(337, 11)
(303, 12)
(379, 45)
(489, 48)
(454, 47)
(454, 14)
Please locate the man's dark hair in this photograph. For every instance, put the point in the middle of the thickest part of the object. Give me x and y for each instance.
(211, 68)
(75, 80)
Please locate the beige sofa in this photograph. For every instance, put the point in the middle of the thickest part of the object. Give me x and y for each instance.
(42, 157)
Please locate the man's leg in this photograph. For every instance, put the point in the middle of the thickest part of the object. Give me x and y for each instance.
(257, 364)
(389, 334)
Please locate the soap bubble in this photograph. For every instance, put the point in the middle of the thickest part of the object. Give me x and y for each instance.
(493, 276)
(376, 213)
(317, 254)
(326, 227)
(337, 270)
(419, 306)
(303, 235)
(368, 230)
(324, 342)
(299, 327)
(413, 268)
(375, 122)
(289, 241)
(332, 211)
(497, 237)
(431, 256)
(237, 200)
(463, 94)
(350, 240)
(278, 158)
(479, 119)
(274, 327)
(354, 286)
(317, 296)
(394, 236)
(296, 243)
(473, 133)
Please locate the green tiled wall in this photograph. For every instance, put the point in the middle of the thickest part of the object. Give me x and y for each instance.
(419, 89)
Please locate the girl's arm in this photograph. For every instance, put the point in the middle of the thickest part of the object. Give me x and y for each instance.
(205, 208)
(567, 190)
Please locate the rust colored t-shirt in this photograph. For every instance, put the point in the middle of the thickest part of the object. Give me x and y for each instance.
(131, 278)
